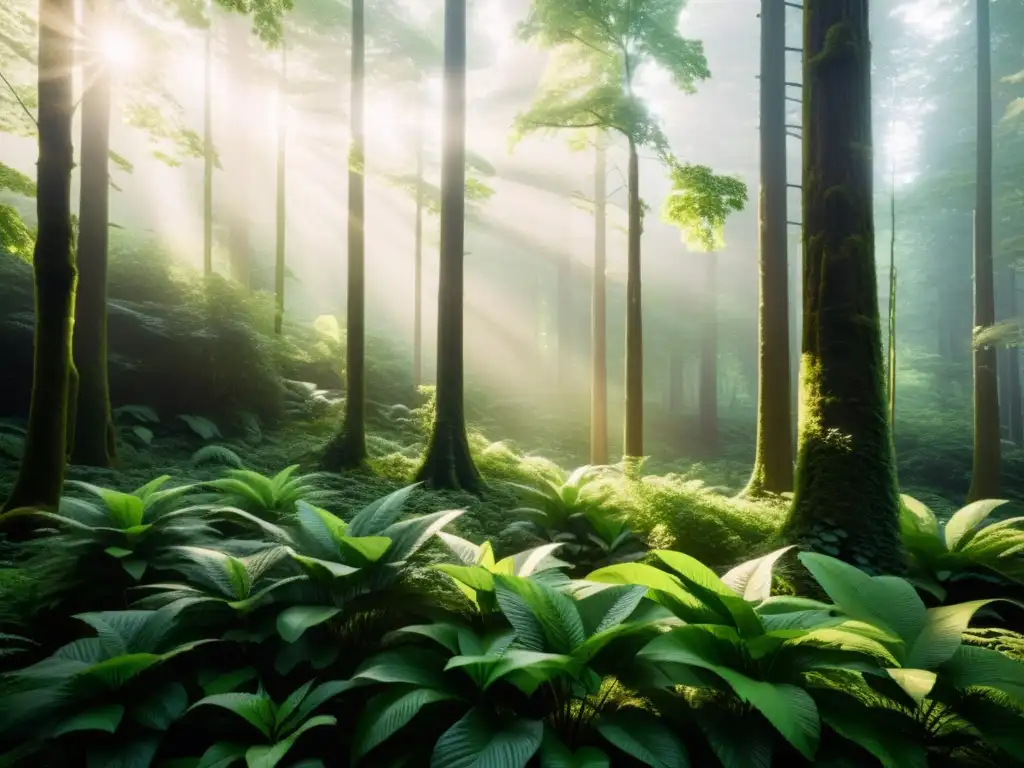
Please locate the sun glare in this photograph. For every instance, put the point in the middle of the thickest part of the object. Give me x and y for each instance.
(118, 47)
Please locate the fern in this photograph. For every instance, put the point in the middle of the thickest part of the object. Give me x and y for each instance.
(217, 454)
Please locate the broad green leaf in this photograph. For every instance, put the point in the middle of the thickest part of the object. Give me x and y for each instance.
(960, 525)
(664, 588)
(918, 522)
(887, 601)
(255, 708)
(477, 741)
(290, 704)
(422, 668)
(644, 737)
(443, 633)
(270, 756)
(161, 707)
(293, 621)
(604, 608)
(720, 726)
(529, 562)
(369, 549)
(475, 577)
(322, 570)
(752, 580)
(528, 669)
(314, 700)
(790, 709)
(555, 613)
(942, 634)
(222, 755)
(918, 683)
(974, 667)
(691, 569)
(408, 536)
(378, 515)
(878, 731)
(465, 551)
(554, 754)
(105, 719)
(386, 713)
(115, 673)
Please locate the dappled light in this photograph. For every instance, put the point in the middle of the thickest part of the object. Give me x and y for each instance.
(511, 383)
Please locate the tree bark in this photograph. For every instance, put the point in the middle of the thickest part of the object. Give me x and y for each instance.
(208, 150)
(846, 502)
(1015, 405)
(448, 463)
(95, 439)
(282, 199)
(41, 477)
(773, 461)
(634, 438)
(417, 321)
(348, 449)
(709, 360)
(599, 311)
(985, 477)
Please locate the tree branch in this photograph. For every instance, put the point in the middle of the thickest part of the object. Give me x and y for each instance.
(30, 115)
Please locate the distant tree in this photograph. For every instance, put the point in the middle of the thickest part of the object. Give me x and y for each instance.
(348, 449)
(773, 461)
(41, 476)
(845, 487)
(448, 462)
(280, 266)
(699, 204)
(985, 477)
(605, 45)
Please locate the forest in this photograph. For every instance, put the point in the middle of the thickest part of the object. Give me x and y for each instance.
(511, 383)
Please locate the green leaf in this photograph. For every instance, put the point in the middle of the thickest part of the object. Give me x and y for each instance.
(752, 580)
(918, 683)
(887, 601)
(368, 549)
(477, 741)
(974, 667)
(222, 755)
(554, 754)
(255, 708)
(105, 719)
(961, 524)
(663, 588)
(530, 605)
(942, 634)
(408, 536)
(388, 712)
(293, 621)
(421, 669)
(609, 606)
(790, 709)
(161, 707)
(473, 576)
(442, 633)
(881, 732)
(316, 699)
(269, 756)
(380, 514)
(644, 737)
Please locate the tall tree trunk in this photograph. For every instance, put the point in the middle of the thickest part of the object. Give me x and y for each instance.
(239, 245)
(566, 330)
(448, 463)
(709, 360)
(773, 461)
(41, 477)
(634, 438)
(845, 477)
(208, 159)
(599, 312)
(417, 321)
(985, 478)
(95, 440)
(1013, 362)
(348, 449)
(676, 378)
(282, 190)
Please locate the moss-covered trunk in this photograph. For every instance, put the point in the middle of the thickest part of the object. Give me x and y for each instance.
(708, 416)
(208, 149)
(448, 463)
(846, 502)
(282, 188)
(348, 449)
(599, 311)
(773, 461)
(95, 440)
(417, 310)
(985, 477)
(41, 477)
(633, 446)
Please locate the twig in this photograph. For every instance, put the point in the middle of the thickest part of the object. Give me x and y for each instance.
(30, 115)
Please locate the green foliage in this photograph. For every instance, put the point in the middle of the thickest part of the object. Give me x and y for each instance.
(574, 512)
(274, 498)
(941, 554)
(15, 236)
(15, 181)
(700, 202)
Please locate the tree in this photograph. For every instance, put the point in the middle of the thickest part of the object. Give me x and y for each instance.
(208, 153)
(985, 477)
(606, 43)
(448, 462)
(282, 156)
(94, 437)
(845, 479)
(348, 449)
(699, 204)
(773, 461)
(599, 310)
(41, 476)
